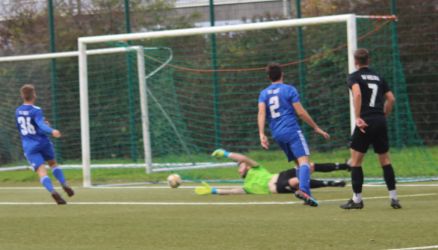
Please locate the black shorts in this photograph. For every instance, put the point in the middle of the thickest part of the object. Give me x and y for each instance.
(376, 134)
(283, 181)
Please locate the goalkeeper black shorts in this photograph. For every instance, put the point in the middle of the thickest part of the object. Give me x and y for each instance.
(283, 181)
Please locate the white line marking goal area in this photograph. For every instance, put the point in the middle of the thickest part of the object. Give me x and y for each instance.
(160, 186)
(170, 203)
(416, 248)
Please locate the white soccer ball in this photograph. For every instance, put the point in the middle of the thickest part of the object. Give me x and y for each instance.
(174, 180)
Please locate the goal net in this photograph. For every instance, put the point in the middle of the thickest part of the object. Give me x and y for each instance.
(200, 92)
(210, 88)
(55, 77)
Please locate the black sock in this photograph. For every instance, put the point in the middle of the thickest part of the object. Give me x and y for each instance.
(342, 166)
(388, 174)
(324, 167)
(357, 179)
(329, 167)
(317, 183)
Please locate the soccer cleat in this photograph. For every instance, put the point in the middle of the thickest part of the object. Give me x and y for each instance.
(308, 200)
(68, 190)
(59, 200)
(395, 204)
(340, 183)
(352, 205)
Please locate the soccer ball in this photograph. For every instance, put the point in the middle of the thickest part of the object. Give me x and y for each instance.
(174, 180)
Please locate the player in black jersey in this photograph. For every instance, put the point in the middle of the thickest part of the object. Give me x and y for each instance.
(373, 102)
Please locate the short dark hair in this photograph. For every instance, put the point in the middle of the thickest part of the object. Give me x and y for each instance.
(361, 56)
(27, 92)
(274, 71)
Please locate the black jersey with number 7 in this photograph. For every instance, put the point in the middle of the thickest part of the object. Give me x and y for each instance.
(373, 89)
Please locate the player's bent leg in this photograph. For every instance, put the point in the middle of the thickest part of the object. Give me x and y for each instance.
(389, 177)
(304, 182)
(59, 175)
(47, 183)
(286, 182)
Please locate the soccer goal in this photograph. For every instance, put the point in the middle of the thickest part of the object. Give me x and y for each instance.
(206, 97)
(177, 106)
(55, 77)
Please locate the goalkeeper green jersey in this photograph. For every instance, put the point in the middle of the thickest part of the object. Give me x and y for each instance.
(257, 181)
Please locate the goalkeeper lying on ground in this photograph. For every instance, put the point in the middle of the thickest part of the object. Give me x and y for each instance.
(258, 180)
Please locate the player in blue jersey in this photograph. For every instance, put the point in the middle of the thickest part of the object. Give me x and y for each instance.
(37, 147)
(280, 105)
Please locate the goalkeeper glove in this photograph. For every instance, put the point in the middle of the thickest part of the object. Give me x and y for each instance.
(205, 189)
(219, 153)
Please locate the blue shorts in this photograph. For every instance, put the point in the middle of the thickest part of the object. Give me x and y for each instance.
(38, 155)
(296, 146)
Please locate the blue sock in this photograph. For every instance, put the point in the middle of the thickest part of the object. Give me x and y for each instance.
(59, 175)
(47, 183)
(304, 177)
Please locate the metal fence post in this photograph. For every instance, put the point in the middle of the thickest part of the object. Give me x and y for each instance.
(216, 91)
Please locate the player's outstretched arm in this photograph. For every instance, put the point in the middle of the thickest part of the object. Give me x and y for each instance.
(206, 189)
(302, 113)
(220, 153)
(261, 120)
(389, 103)
(228, 191)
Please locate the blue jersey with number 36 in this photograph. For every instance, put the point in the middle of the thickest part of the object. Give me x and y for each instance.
(32, 126)
(280, 113)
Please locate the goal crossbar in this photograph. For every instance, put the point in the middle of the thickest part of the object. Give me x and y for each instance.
(219, 29)
(66, 54)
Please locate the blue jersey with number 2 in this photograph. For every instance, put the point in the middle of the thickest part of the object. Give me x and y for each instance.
(280, 113)
(32, 126)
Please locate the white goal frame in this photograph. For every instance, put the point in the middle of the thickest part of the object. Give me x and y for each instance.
(143, 101)
(348, 19)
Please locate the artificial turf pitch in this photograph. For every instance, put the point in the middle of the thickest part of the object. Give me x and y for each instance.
(164, 218)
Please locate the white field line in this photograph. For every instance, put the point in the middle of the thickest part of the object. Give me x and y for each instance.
(116, 187)
(416, 248)
(153, 203)
(155, 186)
(402, 185)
